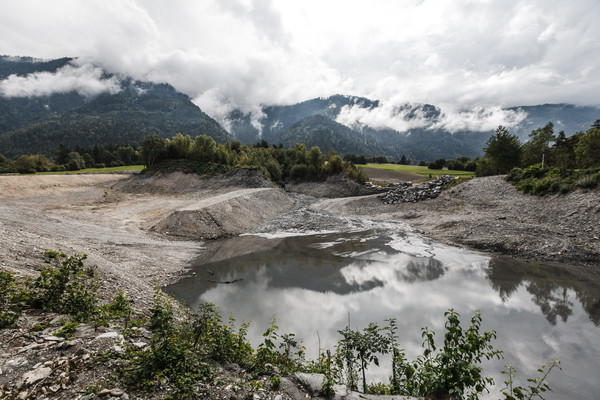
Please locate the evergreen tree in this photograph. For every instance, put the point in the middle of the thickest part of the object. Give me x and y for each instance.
(502, 151)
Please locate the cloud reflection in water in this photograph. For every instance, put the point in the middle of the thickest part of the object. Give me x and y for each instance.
(315, 283)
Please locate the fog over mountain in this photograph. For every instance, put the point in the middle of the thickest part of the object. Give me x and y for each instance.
(419, 131)
(44, 103)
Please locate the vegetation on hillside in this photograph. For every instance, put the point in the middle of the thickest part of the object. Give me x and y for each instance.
(504, 151)
(183, 351)
(278, 164)
(112, 119)
(37, 124)
(546, 163)
(541, 181)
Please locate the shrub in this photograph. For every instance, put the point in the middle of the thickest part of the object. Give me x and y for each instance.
(13, 298)
(587, 181)
(275, 382)
(169, 358)
(67, 330)
(66, 287)
(118, 308)
(540, 180)
(437, 164)
(537, 386)
(515, 175)
(452, 370)
(299, 171)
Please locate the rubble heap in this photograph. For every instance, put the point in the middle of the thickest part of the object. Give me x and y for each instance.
(409, 193)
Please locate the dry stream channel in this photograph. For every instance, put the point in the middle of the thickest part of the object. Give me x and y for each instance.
(314, 283)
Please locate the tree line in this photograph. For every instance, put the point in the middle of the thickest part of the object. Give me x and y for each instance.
(504, 151)
(67, 159)
(274, 162)
(199, 154)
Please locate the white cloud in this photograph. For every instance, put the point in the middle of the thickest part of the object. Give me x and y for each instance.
(85, 79)
(252, 52)
(478, 119)
(404, 117)
(387, 116)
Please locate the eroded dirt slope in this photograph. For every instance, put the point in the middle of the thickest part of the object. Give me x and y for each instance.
(139, 230)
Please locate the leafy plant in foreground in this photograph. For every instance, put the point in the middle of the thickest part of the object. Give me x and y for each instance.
(66, 286)
(363, 347)
(454, 368)
(536, 388)
(13, 297)
(170, 358)
(287, 355)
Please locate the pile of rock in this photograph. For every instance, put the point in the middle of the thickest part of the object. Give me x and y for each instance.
(375, 188)
(409, 193)
(47, 378)
(40, 365)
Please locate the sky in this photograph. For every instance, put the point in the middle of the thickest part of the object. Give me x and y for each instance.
(228, 54)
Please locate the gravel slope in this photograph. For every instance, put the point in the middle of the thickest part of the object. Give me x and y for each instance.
(489, 214)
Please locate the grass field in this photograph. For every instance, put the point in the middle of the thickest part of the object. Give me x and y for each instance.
(97, 170)
(424, 171)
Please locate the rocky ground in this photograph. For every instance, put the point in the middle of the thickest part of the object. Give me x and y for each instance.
(142, 231)
(489, 214)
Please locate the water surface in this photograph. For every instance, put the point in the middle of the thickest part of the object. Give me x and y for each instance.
(314, 284)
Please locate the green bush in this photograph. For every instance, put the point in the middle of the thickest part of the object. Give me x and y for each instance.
(66, 287)
(170, 358)
(13, 298)
(538, 180)
(118, 308)
(454, 369)
(67, 330)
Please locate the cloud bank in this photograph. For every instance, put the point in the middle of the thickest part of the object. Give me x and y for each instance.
(408, 116)
(244, 53)
(86, 80)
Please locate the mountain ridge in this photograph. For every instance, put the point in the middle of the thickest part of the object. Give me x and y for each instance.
(127, 110)
(39, 124)
(424, 135)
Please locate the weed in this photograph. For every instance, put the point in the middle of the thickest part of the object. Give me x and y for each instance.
(587, 181)
(13, 298)
(536, 388)
(67, 330)
(256, 385)
(38, 327)
(538, 180)
(275, 382)
(65, 287)
(118, 308)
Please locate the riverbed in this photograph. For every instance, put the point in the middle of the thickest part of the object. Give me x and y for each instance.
(316, 284)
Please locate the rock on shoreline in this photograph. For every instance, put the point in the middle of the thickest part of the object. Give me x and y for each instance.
(406, 192)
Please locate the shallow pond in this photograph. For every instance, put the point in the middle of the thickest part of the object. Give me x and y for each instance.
(314, 284)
